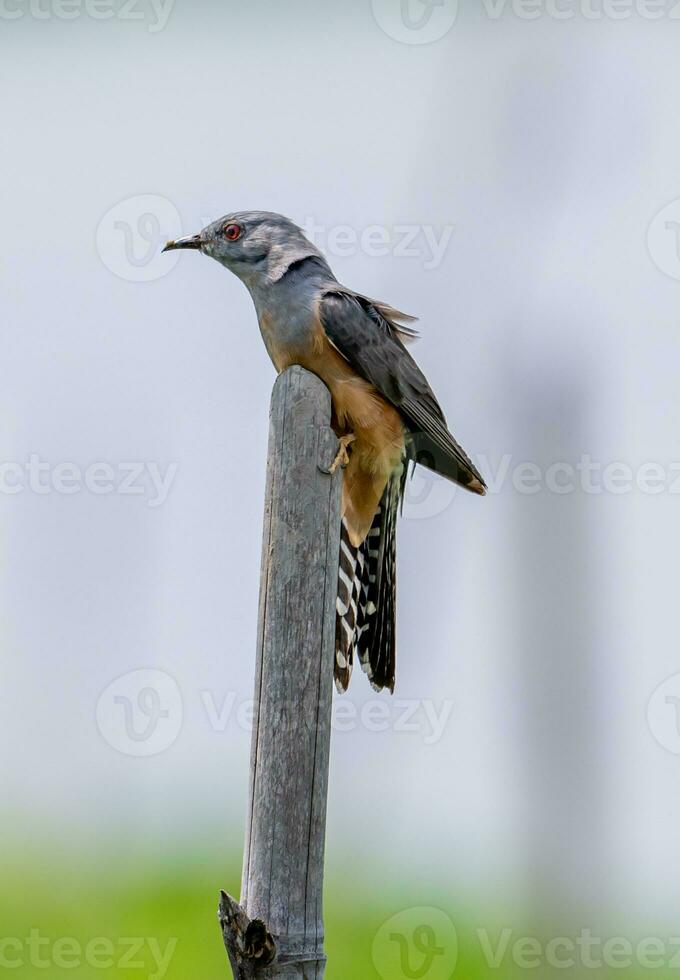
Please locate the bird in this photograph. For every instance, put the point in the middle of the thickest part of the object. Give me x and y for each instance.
(384, 412)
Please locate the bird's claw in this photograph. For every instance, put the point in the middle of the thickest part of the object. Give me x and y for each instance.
(342, 456)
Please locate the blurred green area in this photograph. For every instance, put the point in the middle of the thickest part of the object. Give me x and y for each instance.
(152, 917)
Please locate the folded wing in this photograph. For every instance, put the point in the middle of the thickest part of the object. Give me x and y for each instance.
(369, 337)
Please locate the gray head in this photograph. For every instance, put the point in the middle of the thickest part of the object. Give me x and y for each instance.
(257, 246)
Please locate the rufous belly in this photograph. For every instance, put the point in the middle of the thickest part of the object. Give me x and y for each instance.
(358, 408)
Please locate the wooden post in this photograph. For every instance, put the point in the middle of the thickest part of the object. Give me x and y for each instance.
(277, 929)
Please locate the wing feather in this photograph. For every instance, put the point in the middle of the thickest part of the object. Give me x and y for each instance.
(370, 341)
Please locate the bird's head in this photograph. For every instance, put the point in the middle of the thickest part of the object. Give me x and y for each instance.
(257, 246)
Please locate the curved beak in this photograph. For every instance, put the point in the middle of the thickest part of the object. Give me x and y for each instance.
(191, 241)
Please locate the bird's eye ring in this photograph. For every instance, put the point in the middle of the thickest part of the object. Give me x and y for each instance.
(232, 232)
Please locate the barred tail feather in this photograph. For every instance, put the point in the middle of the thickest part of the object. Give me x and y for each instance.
(366, 601)
(378, 642)
(346, 610)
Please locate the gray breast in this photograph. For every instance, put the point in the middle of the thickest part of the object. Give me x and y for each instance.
(287, 309)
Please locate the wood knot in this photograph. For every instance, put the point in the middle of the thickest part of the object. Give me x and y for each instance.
(249, 944)
(259, 943)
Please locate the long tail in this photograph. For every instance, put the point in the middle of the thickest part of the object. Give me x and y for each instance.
(365, 621)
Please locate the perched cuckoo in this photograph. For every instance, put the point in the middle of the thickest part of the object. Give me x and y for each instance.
(384, 411)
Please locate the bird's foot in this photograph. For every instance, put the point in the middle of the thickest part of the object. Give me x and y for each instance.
(342, 456)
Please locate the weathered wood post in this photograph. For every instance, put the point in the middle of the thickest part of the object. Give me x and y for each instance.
(277, 929)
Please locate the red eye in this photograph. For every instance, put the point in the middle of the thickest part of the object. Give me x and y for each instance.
(232, 232)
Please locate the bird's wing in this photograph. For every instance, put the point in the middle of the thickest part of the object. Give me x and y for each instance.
(385, 315)
(369, 340)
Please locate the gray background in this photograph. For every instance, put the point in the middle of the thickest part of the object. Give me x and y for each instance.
(549, 331)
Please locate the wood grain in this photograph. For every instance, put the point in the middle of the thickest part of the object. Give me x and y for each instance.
(282, 884)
